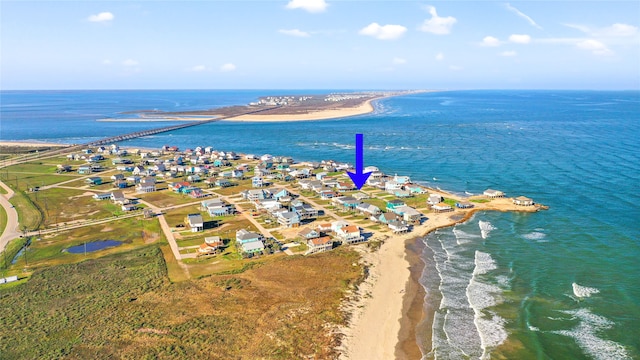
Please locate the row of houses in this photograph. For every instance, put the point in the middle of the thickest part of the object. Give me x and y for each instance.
(117, 197)
(324, 236)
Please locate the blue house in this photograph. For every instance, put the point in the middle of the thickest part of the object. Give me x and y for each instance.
(392, 204)
(278, 193)
(245, 236)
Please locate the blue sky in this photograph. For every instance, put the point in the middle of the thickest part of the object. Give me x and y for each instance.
(308, 44)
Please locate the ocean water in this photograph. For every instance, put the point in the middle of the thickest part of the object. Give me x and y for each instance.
(558, 284)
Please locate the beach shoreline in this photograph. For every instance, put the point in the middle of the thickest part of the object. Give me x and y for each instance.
(387, 307)
(325, 114)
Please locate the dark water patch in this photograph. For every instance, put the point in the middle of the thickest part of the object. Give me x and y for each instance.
(93, 246)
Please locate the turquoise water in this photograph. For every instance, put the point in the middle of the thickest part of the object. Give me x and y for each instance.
(510, 293)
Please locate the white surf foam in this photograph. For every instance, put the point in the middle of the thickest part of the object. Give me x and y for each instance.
(485, 228)
(583, 291)
(535, 236)
(586, 336)
(480, 296)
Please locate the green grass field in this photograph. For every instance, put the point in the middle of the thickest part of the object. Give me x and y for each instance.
(123, 306)
(29, 216)
(3, 219)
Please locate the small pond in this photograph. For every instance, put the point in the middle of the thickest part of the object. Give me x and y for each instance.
(93, 246)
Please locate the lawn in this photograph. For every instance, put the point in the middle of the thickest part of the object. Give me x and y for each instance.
(167, 198)
(49, 250)
(29, 216)
(3, 219)
(62, 205)
(123, 306)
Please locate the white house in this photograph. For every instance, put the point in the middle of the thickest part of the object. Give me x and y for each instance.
(493, 193)
(195, 222)
(350, 234)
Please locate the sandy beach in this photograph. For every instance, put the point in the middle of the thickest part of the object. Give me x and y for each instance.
(377, 311)
(31, 144)
(364, 108)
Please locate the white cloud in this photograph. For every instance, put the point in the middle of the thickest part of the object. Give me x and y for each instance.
(106, 62)
(438, 25)
(455, 68)
(101, 17)
(228, 67)
(386, 32)
(594, 46)
(490, 41)
(130, 62)
(520, 39)
(440, 56)
(522, 15)
(399, 61)
(615, 30)
(508, 53)
(199, 68)
(294, 32)
(619, 30)
(312, 6)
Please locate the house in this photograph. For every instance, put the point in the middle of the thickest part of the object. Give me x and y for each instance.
(319, 244)
(94, 180)
(245, 236)
(523, 201)
(194, 178)
(253, 247)
(254, 195)
(345, 186)
(368, 209)
(305, 211)
(388, 217)
(490, 193)
(324, 227)
(350, 234)
(464, 205)
(102, 196)
(308, 233)
(223, 183)
(392, 204)
(289, 219)
(84, 169)
(441, 207)
(398, 227)
(402, 193)
(435, 199)
(197, 193)
(257, 182)
(217, 207)
(133, 179)
(118, 198)
(321, 175)
(63, 168)
(195, 222)
(328, 194)
(391, 186)
(360, 196)
(120, 184)
(277, 193)
(129, 207)
(408, 213)
(348, 202)
(117, 177)
(211, 245)
(401, 179)
(415, 189)
(337, 225)
(139, 170)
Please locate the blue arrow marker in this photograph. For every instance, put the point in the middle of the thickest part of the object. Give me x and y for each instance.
(359, 178)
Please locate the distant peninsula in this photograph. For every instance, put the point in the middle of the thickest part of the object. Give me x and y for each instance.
(279, 108)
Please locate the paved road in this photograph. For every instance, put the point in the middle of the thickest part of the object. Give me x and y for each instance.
(10, 231)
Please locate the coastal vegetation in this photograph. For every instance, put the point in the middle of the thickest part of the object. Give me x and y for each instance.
(123, 305)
